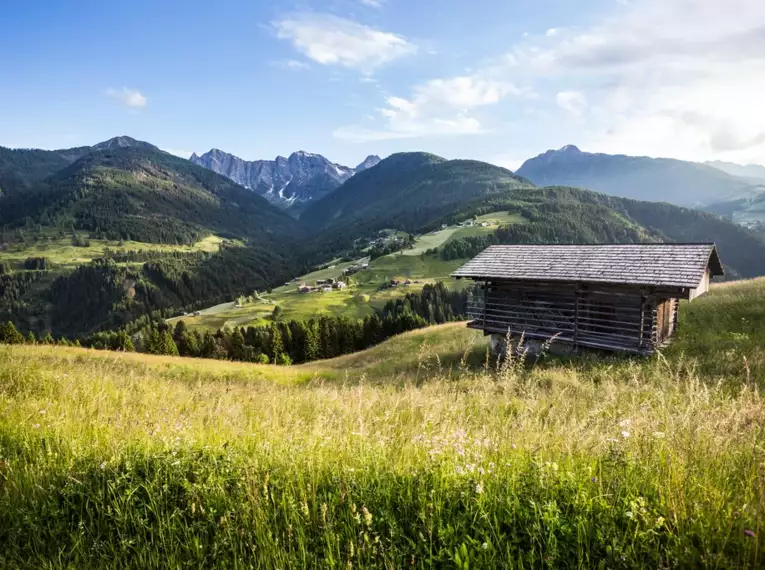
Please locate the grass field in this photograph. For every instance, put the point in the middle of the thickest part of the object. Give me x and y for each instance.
(63, 254)
(438, 238)
(416, 453)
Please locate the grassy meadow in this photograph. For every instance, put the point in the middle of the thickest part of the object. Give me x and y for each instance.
(420, 452)
(64, 255)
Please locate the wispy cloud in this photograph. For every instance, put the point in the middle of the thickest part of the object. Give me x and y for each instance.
(293, 64)
(373, 3)
(439, 107)
(330, 40)
(131, 98)
(573, 102)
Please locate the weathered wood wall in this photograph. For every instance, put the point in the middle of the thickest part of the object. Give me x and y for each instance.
(613, 317)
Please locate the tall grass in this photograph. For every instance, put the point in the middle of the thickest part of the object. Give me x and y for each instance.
(128, 463)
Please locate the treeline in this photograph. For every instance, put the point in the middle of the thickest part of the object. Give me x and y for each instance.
(143, 255)
(282, 342)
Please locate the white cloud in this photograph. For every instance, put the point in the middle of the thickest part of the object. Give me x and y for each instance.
(293, 64)
(439, 107)
(330, 40)
(680, 78)
(551, 32)
(573, 102)
(373, 3)
(131, 98)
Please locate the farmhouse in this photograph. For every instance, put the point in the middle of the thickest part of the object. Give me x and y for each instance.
(613, 297)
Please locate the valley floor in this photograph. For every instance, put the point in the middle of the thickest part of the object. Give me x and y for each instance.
(368, 289)
(419, 452)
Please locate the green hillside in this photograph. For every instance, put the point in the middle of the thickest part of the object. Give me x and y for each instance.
(407, 191)
(418, 452)
(111, 237)
(142, 192)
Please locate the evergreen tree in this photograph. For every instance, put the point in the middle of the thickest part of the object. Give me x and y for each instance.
(167, 344)
(9, 334)
(236, 351)
(276, 346)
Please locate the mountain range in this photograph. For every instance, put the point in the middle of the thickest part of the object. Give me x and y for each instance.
(655, 179)
(125, 189)
(297, 179)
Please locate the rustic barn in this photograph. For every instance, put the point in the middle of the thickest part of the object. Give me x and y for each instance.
(620, 297)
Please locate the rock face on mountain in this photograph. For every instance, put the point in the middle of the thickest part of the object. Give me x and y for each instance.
(301, 177)
(642, 178)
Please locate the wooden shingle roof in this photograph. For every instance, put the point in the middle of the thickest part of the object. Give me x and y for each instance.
(671, 265)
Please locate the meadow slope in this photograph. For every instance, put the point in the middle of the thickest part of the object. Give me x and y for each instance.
(419, 452)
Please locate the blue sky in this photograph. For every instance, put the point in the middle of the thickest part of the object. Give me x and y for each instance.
(494, 80)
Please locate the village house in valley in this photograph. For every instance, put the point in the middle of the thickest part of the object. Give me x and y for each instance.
(616, 297)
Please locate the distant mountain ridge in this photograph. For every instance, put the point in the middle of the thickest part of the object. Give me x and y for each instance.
(751, 172)
(299, 178)
(654, 179)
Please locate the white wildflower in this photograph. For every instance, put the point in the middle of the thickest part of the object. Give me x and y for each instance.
(625, 434)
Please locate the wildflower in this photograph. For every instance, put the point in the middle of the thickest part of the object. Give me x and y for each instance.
(479, 489)
(660, 521)
(625, 434)
(367, 516)
(304, 508)
(485, 546)
(750, 533)
(629, 515)
(594, 479)
(103, 465)
(626, 422)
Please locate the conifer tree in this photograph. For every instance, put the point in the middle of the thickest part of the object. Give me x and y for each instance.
(9, 334)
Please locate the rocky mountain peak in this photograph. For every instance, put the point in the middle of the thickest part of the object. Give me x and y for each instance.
(301, 177)
(368, 162)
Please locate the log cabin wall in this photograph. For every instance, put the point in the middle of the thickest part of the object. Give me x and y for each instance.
(612, 317)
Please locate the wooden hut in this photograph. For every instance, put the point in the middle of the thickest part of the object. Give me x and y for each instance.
(621, 297)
